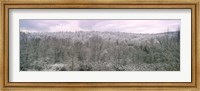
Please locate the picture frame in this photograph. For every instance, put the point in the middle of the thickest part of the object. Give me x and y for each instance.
(110, 86)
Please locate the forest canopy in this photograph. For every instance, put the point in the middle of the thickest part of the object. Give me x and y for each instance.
(99, 51)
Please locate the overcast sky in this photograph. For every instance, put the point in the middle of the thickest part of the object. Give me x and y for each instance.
(130, 26)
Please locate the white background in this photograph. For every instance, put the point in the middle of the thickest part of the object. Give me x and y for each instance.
(184, 75)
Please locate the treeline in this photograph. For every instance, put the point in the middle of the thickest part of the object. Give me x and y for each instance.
(99, 51)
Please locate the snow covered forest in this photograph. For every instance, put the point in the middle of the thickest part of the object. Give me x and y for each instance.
(99, 51)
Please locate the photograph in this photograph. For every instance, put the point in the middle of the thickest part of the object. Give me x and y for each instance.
(99, 44)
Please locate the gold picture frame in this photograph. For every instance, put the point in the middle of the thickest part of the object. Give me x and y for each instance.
(109, 86)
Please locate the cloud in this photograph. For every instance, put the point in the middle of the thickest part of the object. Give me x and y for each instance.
(130, 26)
(70, 26)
